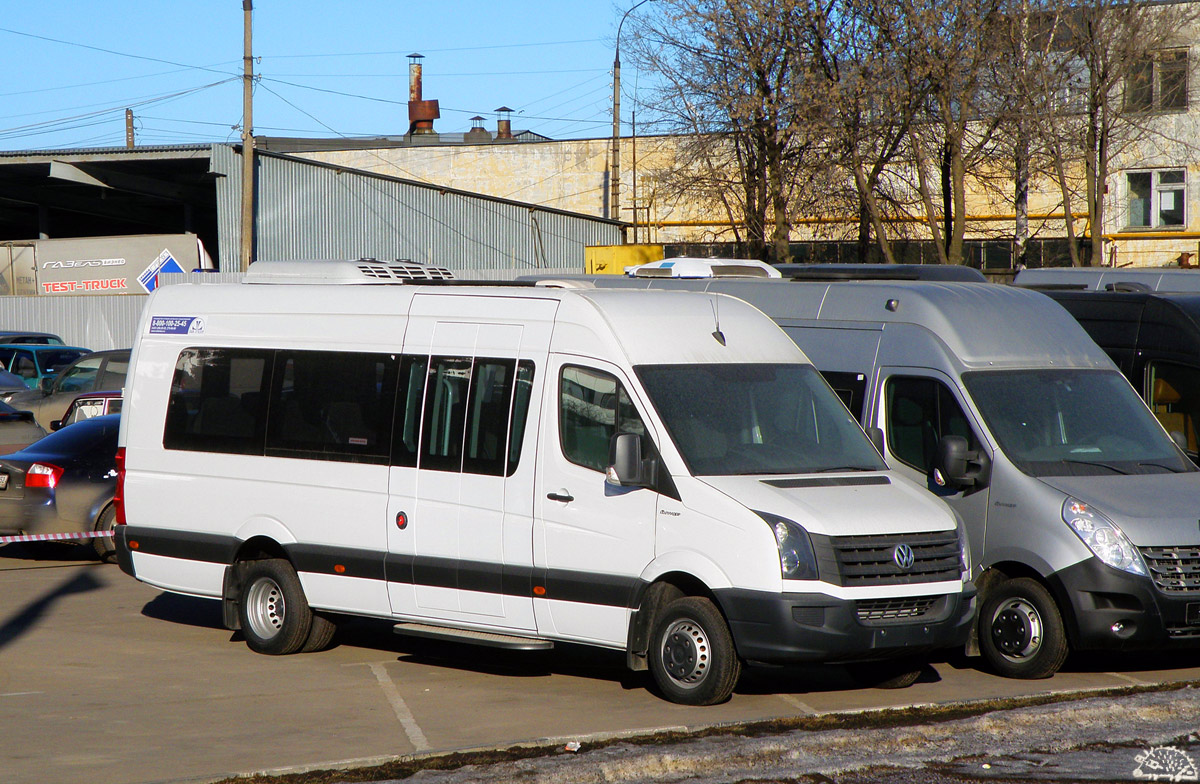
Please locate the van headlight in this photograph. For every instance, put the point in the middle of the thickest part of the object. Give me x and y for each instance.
(1102, 537)
(796, 559)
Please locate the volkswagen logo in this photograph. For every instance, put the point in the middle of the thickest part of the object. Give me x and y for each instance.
(904, 557)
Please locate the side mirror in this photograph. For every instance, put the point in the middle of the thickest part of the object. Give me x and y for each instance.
(626, 466)
(46, 384)
(56, 424)
(957, 467)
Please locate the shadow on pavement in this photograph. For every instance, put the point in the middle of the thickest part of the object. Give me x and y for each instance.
(26, 619)
(185, 610)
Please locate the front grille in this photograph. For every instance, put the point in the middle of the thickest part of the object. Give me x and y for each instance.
(871, 560)
(1183, 632)
(1174, 569)
(899, 609)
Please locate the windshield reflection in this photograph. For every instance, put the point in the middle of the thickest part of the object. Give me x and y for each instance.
(757, 419)
(1066, 422)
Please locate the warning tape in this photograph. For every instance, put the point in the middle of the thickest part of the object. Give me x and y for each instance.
(53, 537)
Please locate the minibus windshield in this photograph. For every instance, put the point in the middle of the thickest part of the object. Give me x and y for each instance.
(1064, 422)
(757, 419)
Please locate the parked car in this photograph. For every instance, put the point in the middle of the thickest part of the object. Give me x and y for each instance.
(97, 370)
(32, 338)
(64, 483)
(88, 405)
(11, 382)
(34, 363)
(17, 429)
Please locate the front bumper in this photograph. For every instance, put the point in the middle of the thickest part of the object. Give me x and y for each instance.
(788, 628)
(1115, 610)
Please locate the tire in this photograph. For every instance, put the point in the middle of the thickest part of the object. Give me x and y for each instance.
(320, 634)
(889, 674)
(274, 614)
(1021, 630)
(105, 549)
(692, 656)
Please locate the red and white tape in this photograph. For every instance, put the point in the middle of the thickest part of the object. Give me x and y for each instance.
(53, 537)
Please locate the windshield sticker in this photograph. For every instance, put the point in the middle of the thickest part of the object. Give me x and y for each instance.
(176, 325)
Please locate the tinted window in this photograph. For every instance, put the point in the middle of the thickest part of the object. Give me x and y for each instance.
(919, 412)
(332, 406)
(850, 387)
(468, 409)
(53, 361)
(80, 377)
(115, 372)
(218, 399)
(1175, 400)
(407, 432)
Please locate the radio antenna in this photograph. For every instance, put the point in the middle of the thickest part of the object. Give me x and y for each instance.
(717, 333)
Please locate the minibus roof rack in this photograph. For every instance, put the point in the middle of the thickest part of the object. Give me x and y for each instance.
(364, 271)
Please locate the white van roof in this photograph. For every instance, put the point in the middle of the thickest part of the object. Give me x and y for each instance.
(688, 267)
(658, 327)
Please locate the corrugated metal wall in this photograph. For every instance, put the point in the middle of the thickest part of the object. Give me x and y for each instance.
(308, 210)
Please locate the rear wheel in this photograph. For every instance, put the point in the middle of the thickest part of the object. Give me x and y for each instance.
(320, 634)
(692, 656)
(106, 550)
(1021, 631)
(275, 616)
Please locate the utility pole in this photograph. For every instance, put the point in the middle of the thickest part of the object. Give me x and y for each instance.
(247, 140)
(614, 207)
(129, 129)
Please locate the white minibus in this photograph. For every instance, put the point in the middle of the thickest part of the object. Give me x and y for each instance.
(661, 473)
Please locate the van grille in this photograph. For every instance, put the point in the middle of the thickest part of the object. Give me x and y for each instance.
(899, 609)
(871, 560)
(1174, 569)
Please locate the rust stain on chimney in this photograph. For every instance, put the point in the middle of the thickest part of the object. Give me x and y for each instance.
(421, 113)
(504, 123)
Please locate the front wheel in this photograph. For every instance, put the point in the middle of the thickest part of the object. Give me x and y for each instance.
(1021, 631)
(692, 656)
(275, 616)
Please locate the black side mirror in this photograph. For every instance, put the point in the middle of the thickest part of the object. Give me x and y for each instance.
(46, 384)
(56, 424)
(626, 466)
(956, 467)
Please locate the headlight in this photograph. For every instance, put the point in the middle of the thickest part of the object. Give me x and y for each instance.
(796, 559)
(1102, 537)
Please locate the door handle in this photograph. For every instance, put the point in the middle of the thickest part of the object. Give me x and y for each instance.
(561, 495)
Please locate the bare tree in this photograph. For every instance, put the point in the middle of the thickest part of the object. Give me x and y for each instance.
(728, 74)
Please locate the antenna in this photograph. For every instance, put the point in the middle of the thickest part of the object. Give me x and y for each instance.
(717, 333)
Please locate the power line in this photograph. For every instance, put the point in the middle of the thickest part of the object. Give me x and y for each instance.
(450, 49)
(110, 51)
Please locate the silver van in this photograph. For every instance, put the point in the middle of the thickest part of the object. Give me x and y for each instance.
(1083, 515)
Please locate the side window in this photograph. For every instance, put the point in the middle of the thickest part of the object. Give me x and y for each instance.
(592, 408)
(24, 365)
(407, 433)
(919, 412)
(1174, 401)
(218, 401)
(114, 374)
(81, 377)
(850, 387)
(329, 405)
(472, 418)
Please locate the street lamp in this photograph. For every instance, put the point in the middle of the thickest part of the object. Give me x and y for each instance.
(615, 199)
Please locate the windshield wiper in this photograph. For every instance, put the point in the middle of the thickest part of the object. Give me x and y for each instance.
(1109, 466)
(1172, 469)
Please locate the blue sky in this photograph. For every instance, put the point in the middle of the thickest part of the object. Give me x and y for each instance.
(328, 69)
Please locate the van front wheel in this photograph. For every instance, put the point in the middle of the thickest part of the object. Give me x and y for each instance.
(692, 656)
(275, 616)
(1021, 630)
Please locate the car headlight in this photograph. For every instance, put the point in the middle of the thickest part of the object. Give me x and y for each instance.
(796, 559)
(1102, 537)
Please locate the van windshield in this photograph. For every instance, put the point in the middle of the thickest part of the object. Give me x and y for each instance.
(757, 419)
(1064, 422)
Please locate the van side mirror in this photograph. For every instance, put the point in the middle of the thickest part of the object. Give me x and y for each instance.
(626, 466)
(957, 467)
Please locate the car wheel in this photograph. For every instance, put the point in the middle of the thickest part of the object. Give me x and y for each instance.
(1021, 631)
(106, 550)
(320, 634)
(275, 616)
(692, 656)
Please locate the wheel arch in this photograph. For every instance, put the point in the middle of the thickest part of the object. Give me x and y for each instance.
(654, 596)
(253, 549)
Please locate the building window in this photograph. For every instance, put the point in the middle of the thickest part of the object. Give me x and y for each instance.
(1157, 199)
(1159, 83)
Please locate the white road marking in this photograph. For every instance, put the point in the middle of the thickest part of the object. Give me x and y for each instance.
(20, 693)
(411, 728)
(1127, 678)
(795, 703)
